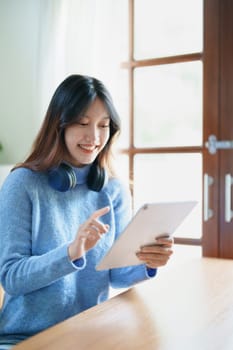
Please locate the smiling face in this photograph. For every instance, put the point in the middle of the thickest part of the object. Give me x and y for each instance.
(87, 137)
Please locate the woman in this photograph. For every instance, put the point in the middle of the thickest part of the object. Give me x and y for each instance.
(60, 212)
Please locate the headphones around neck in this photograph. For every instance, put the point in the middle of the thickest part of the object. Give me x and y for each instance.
(63, 178)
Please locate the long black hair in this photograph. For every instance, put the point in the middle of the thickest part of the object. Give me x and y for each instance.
(69, 102)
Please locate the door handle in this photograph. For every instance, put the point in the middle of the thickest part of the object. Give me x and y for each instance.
(213, 144)
(208, 181)
(228, 185)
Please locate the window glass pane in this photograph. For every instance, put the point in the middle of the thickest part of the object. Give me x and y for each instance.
(121, 102)
(168, 105)
(167, 27)
(121, 167)
(171, 177)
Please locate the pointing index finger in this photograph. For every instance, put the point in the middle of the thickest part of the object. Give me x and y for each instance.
(100, 212)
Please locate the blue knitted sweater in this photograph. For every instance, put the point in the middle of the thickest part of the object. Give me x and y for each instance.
(37, 223)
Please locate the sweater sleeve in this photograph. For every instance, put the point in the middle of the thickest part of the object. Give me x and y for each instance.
(127, 276)
(20, 271)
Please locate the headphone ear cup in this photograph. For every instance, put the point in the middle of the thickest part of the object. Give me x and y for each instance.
(62, 178)
(96, 178)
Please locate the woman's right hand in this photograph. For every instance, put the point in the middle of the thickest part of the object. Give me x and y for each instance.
(89, 233)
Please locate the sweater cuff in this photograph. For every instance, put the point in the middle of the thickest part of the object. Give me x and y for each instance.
(79, 263)
(151, 272)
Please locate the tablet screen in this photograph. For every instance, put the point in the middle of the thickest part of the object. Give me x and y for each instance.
(152, 220)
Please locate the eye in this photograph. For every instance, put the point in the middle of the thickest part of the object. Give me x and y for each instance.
(105, 125)
(82, 122)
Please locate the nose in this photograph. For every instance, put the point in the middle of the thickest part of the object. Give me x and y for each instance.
(92, 134)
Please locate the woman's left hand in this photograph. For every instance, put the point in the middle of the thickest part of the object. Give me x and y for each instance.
(157, 254)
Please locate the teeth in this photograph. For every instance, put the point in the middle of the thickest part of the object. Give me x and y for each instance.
(88, 148)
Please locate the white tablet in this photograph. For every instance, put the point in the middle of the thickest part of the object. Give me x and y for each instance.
(152, 220)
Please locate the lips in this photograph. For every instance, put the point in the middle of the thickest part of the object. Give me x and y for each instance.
(87, 148)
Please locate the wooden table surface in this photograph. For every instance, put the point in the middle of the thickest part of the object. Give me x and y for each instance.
(186, 307)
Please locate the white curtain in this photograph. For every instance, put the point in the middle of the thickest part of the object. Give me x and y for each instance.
(86, 37)
(42, 42)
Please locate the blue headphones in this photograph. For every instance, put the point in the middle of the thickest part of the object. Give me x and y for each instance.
(63, 178)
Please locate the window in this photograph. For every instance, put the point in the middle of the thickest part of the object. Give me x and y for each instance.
(179, 92)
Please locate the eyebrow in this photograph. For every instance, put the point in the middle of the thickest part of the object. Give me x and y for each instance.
(87, 116)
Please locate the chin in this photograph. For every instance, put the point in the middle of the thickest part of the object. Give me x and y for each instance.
(85, 162)
(82, 161)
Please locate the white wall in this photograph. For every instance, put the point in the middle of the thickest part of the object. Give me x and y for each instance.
(43, 41)
(4, 171)
(19, 25)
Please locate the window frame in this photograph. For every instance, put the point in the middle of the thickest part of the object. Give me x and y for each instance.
(217, 57)
(131, 151)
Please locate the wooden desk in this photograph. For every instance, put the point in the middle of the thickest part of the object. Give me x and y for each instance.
(187, 307)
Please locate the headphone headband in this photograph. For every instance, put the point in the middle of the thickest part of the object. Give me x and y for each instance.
(63, 178)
